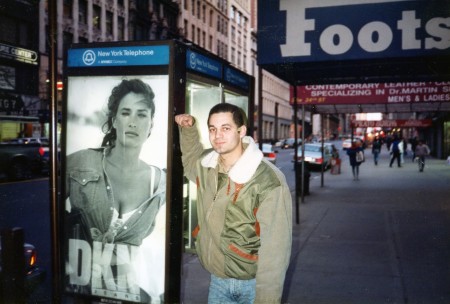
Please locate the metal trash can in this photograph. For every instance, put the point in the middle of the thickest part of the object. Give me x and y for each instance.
(298, 184)
(335, 166)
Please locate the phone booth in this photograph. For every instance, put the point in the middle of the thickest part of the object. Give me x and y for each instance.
(126, 211)
(210, 81)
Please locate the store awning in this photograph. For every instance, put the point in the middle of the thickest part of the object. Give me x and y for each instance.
(312, 42)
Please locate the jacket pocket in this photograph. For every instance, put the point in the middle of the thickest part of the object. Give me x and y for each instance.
(240, 263)
(83, 188)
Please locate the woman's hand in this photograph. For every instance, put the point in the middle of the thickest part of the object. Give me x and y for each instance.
(184, 120)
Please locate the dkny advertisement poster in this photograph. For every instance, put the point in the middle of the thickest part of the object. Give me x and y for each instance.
(115, 187)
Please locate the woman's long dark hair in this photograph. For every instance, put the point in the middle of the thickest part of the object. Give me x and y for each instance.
(126, 86)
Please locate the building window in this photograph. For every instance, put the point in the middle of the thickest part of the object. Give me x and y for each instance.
(186, 32)
(210, 46)
(198, 36)
(120, 27)
(193, 33)
(204, 13)
(67, 9)
(14, 31)
(96, 18)
(140, 32)
(24, 29)
(67, 40)
(211, 17)
(203, 39)
(109, 23)
(142, 4)
(185, 5)
(82, 11)
(8, 32)
(193, 7)
(198, 10)
(82, 40)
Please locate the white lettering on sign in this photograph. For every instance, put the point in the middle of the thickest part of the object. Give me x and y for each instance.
(373, 37)
(107, 268)
(357, 93)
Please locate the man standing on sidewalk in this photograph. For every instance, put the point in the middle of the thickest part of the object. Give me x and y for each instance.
(244, 210)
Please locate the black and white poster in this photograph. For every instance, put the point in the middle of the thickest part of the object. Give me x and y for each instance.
(115, 187)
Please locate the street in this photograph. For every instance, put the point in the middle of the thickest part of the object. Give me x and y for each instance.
(26, 204)
(383, 239)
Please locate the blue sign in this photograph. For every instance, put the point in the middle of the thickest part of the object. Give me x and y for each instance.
(205, 65)
(236, 78)
(119, 56)
(332, 30)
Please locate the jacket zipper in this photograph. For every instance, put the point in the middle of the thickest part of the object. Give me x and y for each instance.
(209, 213)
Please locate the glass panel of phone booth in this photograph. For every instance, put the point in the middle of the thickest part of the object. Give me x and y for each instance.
(199, 100)
(240, 101)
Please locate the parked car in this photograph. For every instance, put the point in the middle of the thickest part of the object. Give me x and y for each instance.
(347, 144)
(30, 140)
(290, 143)
(34, 275)
(280, 143)
(313, 155)
(269, 153)
(19, 160)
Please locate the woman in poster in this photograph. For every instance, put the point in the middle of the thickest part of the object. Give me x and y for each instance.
(115, 205)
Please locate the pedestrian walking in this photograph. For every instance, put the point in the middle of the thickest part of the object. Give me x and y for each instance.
(404, 149)
(354, 154)
(244, 209)
(422, 150)
(396, 151)
(376, 149)
(413, 147)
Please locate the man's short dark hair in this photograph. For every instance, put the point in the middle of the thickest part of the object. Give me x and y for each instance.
(239, 117)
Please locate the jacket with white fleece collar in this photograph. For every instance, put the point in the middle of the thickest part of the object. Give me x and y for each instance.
(245, 216)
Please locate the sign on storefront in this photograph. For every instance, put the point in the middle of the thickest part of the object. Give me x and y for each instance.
(370, 93)
(394, 123)
(336, 30)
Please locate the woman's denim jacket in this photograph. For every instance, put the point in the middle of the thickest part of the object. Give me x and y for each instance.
(91, 201)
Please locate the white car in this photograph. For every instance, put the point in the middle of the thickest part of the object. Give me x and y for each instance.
(269, 153)
(347, 144)
(313, 154)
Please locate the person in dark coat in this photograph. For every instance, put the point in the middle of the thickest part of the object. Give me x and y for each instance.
(352, 152)
(396, 150)
(376, 149)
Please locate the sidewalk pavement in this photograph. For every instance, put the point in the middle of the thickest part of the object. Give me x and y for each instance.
(382, 239)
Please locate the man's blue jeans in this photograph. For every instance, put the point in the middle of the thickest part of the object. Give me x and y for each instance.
(225, 291)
